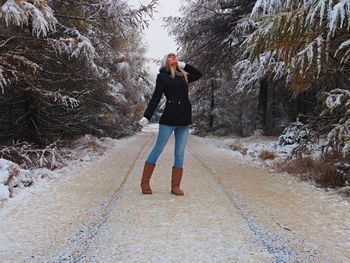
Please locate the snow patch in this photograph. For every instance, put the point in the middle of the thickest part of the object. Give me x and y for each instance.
(4, 192)
(87, 148)
(11, 176)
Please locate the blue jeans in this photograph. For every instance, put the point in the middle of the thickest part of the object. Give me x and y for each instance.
(164, 132)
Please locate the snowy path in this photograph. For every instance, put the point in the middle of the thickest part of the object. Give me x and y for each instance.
(230, 213)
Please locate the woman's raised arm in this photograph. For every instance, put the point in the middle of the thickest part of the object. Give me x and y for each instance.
(194, 73)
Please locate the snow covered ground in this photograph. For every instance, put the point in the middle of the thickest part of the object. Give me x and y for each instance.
(86, 149)
(89, 148)
(248, 149)
(231, 212)
(254, 145)
(251, 147)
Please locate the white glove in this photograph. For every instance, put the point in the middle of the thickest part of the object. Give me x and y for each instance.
(144, 121)
(181, 64)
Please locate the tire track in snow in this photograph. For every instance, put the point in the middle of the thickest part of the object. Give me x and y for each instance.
(276, 245)
(81, 241)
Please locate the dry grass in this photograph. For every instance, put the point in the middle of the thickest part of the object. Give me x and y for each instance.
(237, 146)
(327, 176)
(345, 191)
(325, 171)
(199, 133)
(89, 142)
(13, 171)
(16, 179)
(29, 156)
(94, 145)
(264, 155)
(210, 131)
(328, 173)
(222, 132)
(53, 156)
(300, 167)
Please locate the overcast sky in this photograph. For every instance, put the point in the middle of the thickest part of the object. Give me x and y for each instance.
(156, 37)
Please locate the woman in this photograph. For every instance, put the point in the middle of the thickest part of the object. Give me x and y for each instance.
(172, 80)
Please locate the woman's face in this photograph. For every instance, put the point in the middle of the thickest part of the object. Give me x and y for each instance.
(172, 60)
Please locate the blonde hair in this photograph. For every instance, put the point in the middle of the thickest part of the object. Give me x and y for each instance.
(175, 70)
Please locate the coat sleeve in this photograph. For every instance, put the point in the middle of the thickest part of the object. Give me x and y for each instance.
(194, 73)
(156, 96)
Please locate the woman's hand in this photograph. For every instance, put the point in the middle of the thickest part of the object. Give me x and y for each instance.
(144, 121)
(181, 64)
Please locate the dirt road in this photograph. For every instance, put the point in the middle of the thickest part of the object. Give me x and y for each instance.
(230, 212)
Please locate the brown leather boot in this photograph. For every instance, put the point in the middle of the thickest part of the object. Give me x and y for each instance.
(175, 181)
(146, 175)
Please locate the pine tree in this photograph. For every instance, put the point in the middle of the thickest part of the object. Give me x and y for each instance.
(69, 68)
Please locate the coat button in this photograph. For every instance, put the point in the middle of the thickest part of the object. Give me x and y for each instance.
(179, 102)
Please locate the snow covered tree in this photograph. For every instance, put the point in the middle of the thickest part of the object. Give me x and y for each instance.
(306, 40)
(232, 91)
(308, 43)
(69, 68)
(209, 34)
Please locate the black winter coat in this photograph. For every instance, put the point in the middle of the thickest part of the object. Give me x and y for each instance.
(178, 108)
